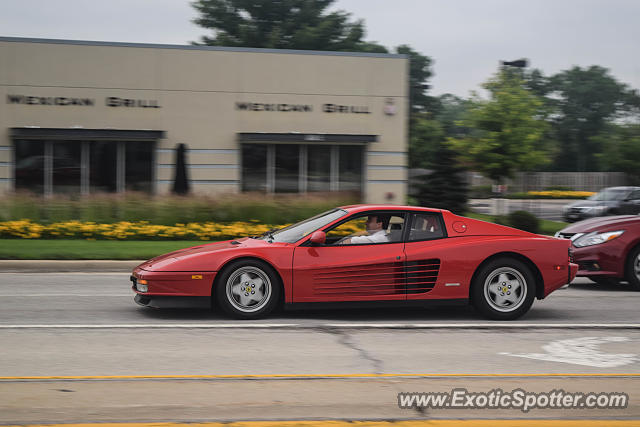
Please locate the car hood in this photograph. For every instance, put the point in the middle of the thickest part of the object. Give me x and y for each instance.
(601, 223)
(195, 258)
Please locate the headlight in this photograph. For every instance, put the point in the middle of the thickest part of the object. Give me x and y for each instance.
(595, 238)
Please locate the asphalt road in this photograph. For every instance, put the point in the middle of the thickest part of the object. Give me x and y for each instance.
(76, 348)
(95, 299)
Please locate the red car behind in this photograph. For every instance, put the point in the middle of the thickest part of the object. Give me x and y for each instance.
(607, 249)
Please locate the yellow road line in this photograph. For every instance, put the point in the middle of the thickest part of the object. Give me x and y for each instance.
(417, 423)
(311, 376)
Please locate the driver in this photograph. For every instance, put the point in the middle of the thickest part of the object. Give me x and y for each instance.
(376, 227)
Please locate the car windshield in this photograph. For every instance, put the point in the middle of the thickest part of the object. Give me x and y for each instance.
(295, 232)
(609, 195)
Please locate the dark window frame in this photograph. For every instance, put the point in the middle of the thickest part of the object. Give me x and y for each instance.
(440, 220)
(330, 227)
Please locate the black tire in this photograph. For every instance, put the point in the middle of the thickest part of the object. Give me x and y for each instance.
(632, 269)
(247, 289)
(494, 299)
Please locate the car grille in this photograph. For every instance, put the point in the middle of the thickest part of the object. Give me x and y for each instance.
(565, 235)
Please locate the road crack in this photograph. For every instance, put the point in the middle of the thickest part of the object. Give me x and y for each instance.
(348, 341)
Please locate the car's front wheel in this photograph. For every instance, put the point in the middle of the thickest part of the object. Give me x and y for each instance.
(247, 289)
(632, 273)
(503, 289)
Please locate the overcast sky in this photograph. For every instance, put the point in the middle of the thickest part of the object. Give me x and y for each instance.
(465, 38)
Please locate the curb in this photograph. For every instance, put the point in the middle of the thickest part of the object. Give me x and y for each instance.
(68, 266)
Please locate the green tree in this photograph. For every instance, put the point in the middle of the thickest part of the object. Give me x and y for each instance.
(451, 113)
(445, 187)
(507, 130)
(419, 73)
(281, 24)
(426, 136)
(584, 102)
(621, 150)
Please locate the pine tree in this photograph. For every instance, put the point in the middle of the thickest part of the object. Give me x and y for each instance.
(445, 187)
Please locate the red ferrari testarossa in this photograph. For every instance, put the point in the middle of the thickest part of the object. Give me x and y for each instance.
(363, 255)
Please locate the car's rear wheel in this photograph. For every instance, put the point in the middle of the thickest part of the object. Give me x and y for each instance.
(503, 289)
(632, 273)
(247, 289)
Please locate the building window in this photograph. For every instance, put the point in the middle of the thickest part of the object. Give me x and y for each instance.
(319, 168)
(350, 171)
(299, 168)
(287, 168)
(254, 167)
(82, 167)
(103, 167)
(29, 166)
(67, 167)
(138, 166)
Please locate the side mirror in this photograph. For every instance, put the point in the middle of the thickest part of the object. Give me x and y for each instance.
(318, 238)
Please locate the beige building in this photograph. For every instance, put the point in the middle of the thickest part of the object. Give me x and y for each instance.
(86, 117)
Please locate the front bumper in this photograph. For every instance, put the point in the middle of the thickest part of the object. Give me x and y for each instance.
(171, 289)
(172, 302)
(606, 260)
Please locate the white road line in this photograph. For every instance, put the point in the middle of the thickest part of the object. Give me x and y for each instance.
(67, 295)
(241, 325)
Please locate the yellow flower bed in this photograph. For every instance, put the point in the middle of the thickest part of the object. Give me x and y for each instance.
(142, 230)
(125, 230)
(559, 194)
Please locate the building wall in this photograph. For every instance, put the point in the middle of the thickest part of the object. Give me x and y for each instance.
(197, 90)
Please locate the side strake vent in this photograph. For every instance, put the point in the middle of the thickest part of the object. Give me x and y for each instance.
(413, 277)
(422, 275)
(371, 279)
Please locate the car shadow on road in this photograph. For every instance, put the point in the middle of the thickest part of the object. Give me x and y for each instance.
(592, 286)
(460, 314)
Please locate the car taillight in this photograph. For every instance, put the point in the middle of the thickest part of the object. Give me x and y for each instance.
(570, 255)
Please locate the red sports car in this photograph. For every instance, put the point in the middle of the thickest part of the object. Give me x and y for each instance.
(607, 249)
(364, 255)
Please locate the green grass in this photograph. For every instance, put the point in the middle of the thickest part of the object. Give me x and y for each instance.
(546, 227)
(88, 249)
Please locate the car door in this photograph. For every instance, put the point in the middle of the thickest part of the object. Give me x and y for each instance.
(426, 248)
(632, 204)
(358, 271)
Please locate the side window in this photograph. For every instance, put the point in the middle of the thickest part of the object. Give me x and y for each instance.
(426, 226)
(370, 228)
(635, 195)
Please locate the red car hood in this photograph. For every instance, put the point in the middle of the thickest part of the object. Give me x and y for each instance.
(601, 223)
(194, 258)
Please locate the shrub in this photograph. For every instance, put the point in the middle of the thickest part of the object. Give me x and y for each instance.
(524, 220)
(170, 209)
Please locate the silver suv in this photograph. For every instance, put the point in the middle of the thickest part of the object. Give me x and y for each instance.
(609, 201)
